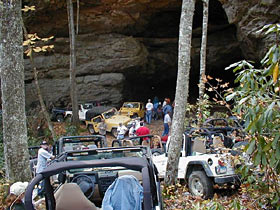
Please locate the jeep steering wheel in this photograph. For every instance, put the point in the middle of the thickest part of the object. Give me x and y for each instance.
(85, 183)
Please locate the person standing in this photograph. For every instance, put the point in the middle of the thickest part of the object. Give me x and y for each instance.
(102, 129)
(121, 130)
(166, 123)
(142, 131)
(149, 111)
(132, 130)
(43, 156)
(167, 108)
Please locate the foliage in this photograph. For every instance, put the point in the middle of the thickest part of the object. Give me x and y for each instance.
(177, 197)
(201, 110)
(257, 99)
(71, 130)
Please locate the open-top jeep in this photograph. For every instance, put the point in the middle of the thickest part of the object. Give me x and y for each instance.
(133, 109)
(69, 143)
(112, 119)
(201, 165)
(96, 170)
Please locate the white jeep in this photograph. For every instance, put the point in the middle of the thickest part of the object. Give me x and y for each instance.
(83, 108)
(200, 168)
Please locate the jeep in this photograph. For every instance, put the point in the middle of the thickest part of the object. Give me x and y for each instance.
(111, 117)
(94, 171)
(133, 109)
(200, 167)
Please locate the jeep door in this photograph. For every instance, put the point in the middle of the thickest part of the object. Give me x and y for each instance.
(95, 122)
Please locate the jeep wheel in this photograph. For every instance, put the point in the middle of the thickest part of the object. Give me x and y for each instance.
(91, 129)
(114, 132)
(200, 184)
(134, 116)
(59, 118)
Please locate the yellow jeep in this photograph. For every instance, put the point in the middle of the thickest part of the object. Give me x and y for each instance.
(112, 119)
(133, 109)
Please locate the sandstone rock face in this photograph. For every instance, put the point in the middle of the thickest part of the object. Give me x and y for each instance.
(101, 62)
(249, 17)
(127, 49)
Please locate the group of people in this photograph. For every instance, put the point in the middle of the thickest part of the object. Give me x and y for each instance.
(155, 109)
(135, 130)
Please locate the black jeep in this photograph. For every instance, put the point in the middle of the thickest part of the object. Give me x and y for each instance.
(94, 170)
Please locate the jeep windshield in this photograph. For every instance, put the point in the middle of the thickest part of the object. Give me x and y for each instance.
(74, 143)
(88, 106)
(110, 113)
(108, 153)
(130, 105)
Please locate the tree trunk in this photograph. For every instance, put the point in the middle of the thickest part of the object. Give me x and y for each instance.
(182, 91)
(203, 57)
(42, 103)
(73, 86)
(13, 96)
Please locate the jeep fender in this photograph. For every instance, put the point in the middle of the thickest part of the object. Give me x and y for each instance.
(198, 165)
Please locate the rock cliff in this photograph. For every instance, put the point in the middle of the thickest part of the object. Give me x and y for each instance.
(127, 49)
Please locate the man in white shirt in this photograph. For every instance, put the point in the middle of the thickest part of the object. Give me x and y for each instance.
(43, 156)
(121, 130)
(166, 123)
(149, 111)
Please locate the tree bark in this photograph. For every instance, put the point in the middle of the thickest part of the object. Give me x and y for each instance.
(203, 48)
(182, 91)
(73, 86)
(13, 96)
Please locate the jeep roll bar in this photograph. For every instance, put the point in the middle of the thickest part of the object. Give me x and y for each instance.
(58, 145)
(133, 163)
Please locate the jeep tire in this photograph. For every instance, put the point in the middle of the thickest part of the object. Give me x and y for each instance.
(59, 118)
(200, 184)
(116, 143)
(91, 129)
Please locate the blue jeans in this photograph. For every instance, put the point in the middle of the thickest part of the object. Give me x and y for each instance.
(166, 129)
(149, 117)
(120, 136)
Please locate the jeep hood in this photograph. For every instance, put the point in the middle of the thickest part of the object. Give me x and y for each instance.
(116, 119)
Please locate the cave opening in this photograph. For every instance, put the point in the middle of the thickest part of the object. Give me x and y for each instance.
(160, 37)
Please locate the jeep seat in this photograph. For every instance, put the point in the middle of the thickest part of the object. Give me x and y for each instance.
(70, 197)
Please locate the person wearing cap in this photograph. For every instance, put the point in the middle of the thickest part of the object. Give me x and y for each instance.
(15, 200)
(43, 156)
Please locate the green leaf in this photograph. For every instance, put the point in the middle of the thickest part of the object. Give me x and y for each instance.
(243, 100)
(234, 65)
(264, 161)
(267, 147)
(251, 147)
(231, 96)
(275, 141)
(270, 30)
(257, 159)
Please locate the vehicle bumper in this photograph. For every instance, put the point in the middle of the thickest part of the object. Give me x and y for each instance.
(227, 179)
